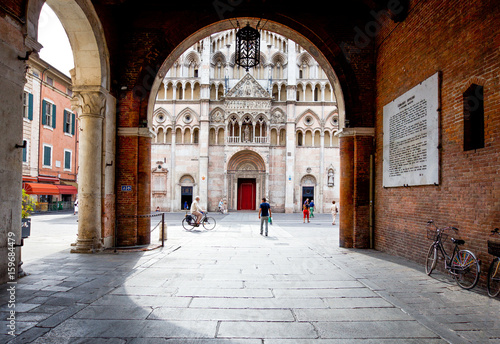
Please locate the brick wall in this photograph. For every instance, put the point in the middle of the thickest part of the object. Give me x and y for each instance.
(461, 40)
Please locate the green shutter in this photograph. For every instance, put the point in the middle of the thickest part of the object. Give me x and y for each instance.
(44, 112)
(30, 107)
(25, 152)
(65, 114)
(67, 160)
(54, 116)
(47, 151)
(73, 118)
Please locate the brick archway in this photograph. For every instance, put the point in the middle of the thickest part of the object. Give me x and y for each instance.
(136, 109)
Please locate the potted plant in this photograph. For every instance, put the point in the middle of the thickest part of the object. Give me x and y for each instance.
(28, 206)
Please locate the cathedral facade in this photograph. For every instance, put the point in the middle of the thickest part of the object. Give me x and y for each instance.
(222, 132)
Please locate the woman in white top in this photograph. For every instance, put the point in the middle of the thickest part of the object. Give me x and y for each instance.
(196, 209)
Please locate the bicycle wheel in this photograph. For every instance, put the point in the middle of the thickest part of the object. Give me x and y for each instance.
(187, 226)
(431, 261)
(466, 269)
(494, 278)
(209, 223)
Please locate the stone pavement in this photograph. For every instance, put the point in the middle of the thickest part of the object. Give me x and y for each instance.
(234, 286)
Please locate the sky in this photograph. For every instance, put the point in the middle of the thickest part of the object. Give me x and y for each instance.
(56, 48)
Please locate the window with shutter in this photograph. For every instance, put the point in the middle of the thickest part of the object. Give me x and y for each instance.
(30, 106)
(53, 116)
(25, 104)
(67, 160)
(47, 156)
(44, 112)
(66, 121)
(25, 151)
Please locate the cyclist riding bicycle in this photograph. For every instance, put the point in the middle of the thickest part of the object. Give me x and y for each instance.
(196, 210)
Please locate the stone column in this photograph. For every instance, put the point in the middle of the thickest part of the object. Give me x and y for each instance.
(356, 145)
(204, 139)
(290, 150)
(173, 176)
(12, 80)
(90, 105)
(319, 203)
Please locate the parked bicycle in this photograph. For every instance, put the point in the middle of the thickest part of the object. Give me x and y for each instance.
(189, 222)
(463, 265)
(494, 270)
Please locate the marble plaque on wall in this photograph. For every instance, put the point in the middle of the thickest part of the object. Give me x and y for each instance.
(411, 136)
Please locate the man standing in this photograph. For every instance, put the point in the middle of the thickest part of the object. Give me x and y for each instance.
(264, 213)
(196, 210)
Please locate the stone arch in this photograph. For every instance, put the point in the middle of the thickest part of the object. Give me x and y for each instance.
(85, 34)
(162, 112)
(187, 111)
(246, 157)
(308, 179)
(246, 166)
(95, 107)
(317, 120)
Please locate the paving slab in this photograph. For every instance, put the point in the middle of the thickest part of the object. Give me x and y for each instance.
(233, 286)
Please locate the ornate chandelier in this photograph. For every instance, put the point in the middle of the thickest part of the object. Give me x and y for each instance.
(247, 47)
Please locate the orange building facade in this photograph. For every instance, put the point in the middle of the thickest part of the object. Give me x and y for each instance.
(50, 136)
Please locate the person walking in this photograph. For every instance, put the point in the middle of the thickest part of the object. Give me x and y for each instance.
(196, 210)
(264, 213)
(305, 211)
(334, 211)
(311, 208)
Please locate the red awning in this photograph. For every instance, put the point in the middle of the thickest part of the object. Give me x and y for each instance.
(67, 189)
(41, 189)
(30, 179)
(48, 179)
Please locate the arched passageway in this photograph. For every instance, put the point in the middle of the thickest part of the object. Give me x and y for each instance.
(121, 57)
(233, 186)
(95, 107)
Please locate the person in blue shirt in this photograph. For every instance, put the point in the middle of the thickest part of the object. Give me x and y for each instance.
(264, 213)
(311, 208)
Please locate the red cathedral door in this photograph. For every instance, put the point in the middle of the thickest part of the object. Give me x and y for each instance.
(246, 194)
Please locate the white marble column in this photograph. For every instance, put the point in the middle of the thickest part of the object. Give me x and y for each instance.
(90, 104)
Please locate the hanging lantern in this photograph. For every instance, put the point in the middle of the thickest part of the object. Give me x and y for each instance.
(247, 47)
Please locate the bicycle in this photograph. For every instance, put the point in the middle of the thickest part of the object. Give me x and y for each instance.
(463, 265)
(189, 222)
(494, 270)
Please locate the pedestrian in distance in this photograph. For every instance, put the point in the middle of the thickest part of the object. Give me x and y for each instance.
(334, 211)
(76, 208)
(221, 206)
(264, 214)
(186, 205)
(305, 211)
(311, 208)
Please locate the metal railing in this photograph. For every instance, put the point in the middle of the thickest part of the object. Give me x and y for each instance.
(159, 225)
